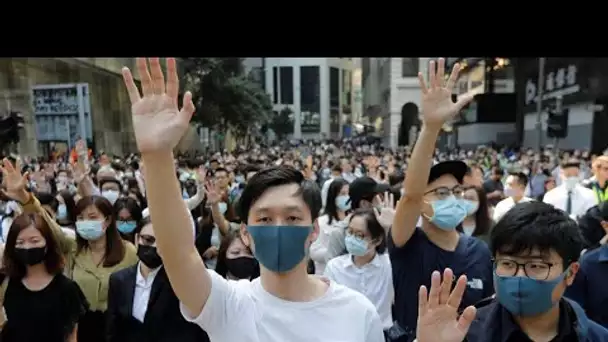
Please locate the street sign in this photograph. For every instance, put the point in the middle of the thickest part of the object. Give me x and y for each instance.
(62, 112)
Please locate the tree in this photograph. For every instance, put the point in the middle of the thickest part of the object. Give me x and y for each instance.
(224, 96)
(282, 123)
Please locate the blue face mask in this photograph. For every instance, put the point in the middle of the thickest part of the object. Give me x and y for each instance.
(448, 213)
(523, 296)
(89, 229)
(62, 212)
(470, 206)
(240, 179)
(126, 227)
(223, 207)
(343, 202)
(356, 246)
(280, 248)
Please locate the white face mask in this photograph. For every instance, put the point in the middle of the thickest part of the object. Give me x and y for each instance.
(110, 195)
(468, 230)
(509, 191)
(571, 182)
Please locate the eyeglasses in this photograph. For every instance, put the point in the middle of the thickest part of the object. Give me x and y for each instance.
(538, 270)
(444, 192)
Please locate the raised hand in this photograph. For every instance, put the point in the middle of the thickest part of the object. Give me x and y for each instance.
(437, 105)
(15, 182)
(157, 121)
(385, 212)
(213, 194)
(438, 311)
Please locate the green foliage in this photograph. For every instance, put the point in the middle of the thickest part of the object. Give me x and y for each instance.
(224, 96)
(282, 123)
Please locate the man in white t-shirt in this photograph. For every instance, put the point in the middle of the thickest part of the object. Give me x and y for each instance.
(285, 304)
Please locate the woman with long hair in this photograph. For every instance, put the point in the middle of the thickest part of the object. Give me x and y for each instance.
(97, 252)
(42, 303)
(478, 222)
(330, 242)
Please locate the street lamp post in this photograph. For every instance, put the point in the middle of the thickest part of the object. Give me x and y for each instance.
(539, 102)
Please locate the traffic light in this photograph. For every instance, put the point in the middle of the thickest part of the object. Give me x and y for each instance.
(557, 123)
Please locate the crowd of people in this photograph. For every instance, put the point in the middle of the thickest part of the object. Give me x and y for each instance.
(321, 241)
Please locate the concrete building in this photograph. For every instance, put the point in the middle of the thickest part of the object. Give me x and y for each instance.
(317, 90)
(110, 126)
(391, 92)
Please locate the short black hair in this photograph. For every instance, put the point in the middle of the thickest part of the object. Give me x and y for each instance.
(276, 176)
(336, 168)
(522, 179)
(221, 169)
(497, 171)
(537, 225)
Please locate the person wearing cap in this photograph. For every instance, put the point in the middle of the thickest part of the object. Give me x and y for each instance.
(435, 193)
(571, 196)
(363, 190)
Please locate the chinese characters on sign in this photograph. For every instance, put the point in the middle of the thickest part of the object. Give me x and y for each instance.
(561, 82)
(62, 112)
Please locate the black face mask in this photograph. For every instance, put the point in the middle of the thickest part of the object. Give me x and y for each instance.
(242, 267)
(30, 256)
(149, 256)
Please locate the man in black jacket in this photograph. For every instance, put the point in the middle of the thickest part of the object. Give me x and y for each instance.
(594, 225)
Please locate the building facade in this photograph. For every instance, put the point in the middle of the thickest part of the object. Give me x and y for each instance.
(112, 129)
(317, 91)
(391, 97)
(580, 84)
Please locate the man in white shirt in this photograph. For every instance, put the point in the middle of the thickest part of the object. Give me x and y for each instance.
(515, 187)
(279, 209)
(571, 196)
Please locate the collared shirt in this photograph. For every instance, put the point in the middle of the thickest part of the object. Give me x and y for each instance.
(589, 287)
(511, 332)
(374, 280)
(505, 205)
(143, 288)
(582, 199)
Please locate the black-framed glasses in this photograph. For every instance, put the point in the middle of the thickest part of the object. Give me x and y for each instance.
(444, 192)
(537, 270)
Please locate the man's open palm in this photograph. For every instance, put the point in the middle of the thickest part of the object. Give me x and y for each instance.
(157, 121)
(438, 312)
(437, 104)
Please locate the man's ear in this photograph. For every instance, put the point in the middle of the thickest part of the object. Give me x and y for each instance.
(572, 271)
(315, 230)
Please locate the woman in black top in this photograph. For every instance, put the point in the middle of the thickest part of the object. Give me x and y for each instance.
(40, 303)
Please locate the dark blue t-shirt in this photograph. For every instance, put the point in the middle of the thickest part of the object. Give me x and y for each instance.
(414, 263)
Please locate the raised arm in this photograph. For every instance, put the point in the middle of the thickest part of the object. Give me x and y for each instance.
(437, 108)
(158, 126)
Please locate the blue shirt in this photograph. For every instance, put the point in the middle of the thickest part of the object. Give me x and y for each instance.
(414, 263)
(590, 287)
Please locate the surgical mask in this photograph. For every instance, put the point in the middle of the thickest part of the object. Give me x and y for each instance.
(343, 202)
(184, 177)
(280, 248)
(30, 256)
(126, 227)
(223, 207)
(62, 212)
(356, 246)
(110, 195)
(447, 213)
(509, 191)
(571, 182)
(149, 256)
(128, 174)
(523, 296)
(240, 179)
(471, 206)
(89, 229)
